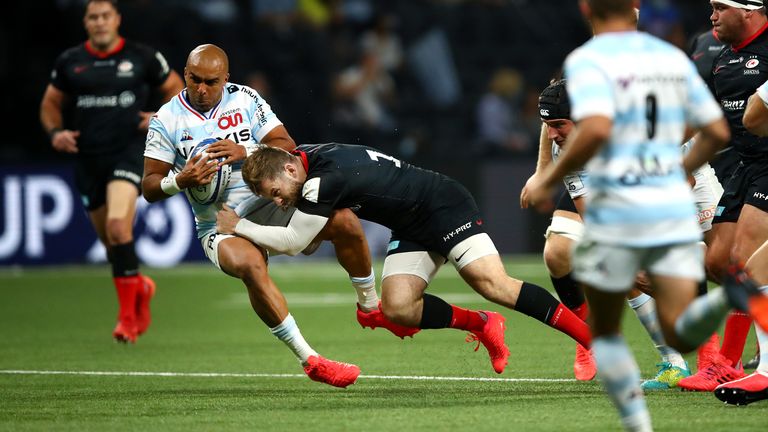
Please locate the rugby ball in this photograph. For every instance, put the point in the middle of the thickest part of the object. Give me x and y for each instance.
(209, 193)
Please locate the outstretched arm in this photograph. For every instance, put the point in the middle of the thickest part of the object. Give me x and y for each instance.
(288, 240)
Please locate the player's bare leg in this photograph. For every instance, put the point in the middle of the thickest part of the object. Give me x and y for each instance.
(344, 230)
(242, 259)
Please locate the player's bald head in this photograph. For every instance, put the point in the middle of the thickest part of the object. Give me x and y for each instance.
(208, 56)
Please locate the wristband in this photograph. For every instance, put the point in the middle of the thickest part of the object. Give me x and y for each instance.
(54, 131)
(169, 186)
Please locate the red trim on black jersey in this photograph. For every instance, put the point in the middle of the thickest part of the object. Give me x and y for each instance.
(749, 40)
(104, 54)
(303, 157)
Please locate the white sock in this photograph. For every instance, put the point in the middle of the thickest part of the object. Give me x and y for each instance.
(288, 332)
(620, 377)
(702, 317)
(366, 292)
(645, 309)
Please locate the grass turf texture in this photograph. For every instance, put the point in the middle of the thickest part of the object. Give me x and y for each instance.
(60, 319)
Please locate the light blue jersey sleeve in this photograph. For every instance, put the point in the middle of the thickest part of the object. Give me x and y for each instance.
(589, 89)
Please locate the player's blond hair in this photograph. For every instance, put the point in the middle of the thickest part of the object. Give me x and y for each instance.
(266, 163)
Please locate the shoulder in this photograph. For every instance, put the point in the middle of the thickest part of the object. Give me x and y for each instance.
(140, 48)
(242, 92)
(72, 53)
(171, 111)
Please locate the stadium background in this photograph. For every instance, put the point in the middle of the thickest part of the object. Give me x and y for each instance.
(293, 51)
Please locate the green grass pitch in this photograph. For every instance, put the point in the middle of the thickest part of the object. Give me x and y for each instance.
(208, 363)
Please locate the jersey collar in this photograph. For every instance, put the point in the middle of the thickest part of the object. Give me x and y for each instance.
(749, 40)
(202, 116)
(303, 157)
(104, 54)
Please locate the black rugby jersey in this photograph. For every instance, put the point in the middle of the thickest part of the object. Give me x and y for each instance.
(737, 73)
(376, 186)
(107, 91)
(705, 49)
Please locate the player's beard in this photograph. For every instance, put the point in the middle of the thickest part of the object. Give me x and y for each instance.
(292, 193)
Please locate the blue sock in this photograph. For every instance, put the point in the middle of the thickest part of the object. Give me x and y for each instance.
(702, 317)
(620, 376)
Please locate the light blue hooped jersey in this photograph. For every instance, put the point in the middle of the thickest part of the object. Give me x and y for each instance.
(242, 116)
(638, 193)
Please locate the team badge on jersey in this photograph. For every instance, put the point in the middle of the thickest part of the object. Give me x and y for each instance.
(125, 69)
(185, 136)
(752, 63)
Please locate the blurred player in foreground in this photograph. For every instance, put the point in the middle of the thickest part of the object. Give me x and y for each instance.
(631, 98)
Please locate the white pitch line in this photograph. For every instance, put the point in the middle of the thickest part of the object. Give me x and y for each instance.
(266, 375)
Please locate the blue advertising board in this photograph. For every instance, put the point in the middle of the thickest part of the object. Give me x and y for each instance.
(43, 222)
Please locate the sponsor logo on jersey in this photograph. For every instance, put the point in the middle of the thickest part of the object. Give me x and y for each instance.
(232, 88)
(752, 63)
(126, 99)
(228, 121)
(736, 60)
(760, 195)
(125, 69)
(751, 72)
(80, 69)
(733, 105)
(185, 136)
(458, 230)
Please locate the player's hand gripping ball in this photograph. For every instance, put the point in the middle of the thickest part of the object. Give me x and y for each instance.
(209, 193)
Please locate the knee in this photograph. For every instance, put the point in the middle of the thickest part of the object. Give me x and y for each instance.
(396, 308)
(344, 224)
(557, 259)
(118, 231)
(716, 263)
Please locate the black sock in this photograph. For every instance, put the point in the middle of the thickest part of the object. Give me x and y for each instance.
(124, 260)
(702, 289)
(568, 290)
(437, 313)
(536, 302)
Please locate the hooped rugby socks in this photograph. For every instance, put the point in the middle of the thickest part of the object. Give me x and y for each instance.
(126, 277)
(735, 336)
(645, 309)
(581, 311)
(620, 377)
(288, 332)
(365, 287)
(436, 313)
(569, 292)
(465, 319)
(538, 303)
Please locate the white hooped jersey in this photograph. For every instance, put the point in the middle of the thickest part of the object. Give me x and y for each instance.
(638, 193)
(575, 181)
(241, 115)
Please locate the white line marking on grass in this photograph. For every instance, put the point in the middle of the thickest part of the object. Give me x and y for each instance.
(348, 299)
(266, 375)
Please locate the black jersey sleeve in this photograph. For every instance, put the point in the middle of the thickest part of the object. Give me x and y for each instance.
(59, 76)
(157, 66)
(321, 194)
